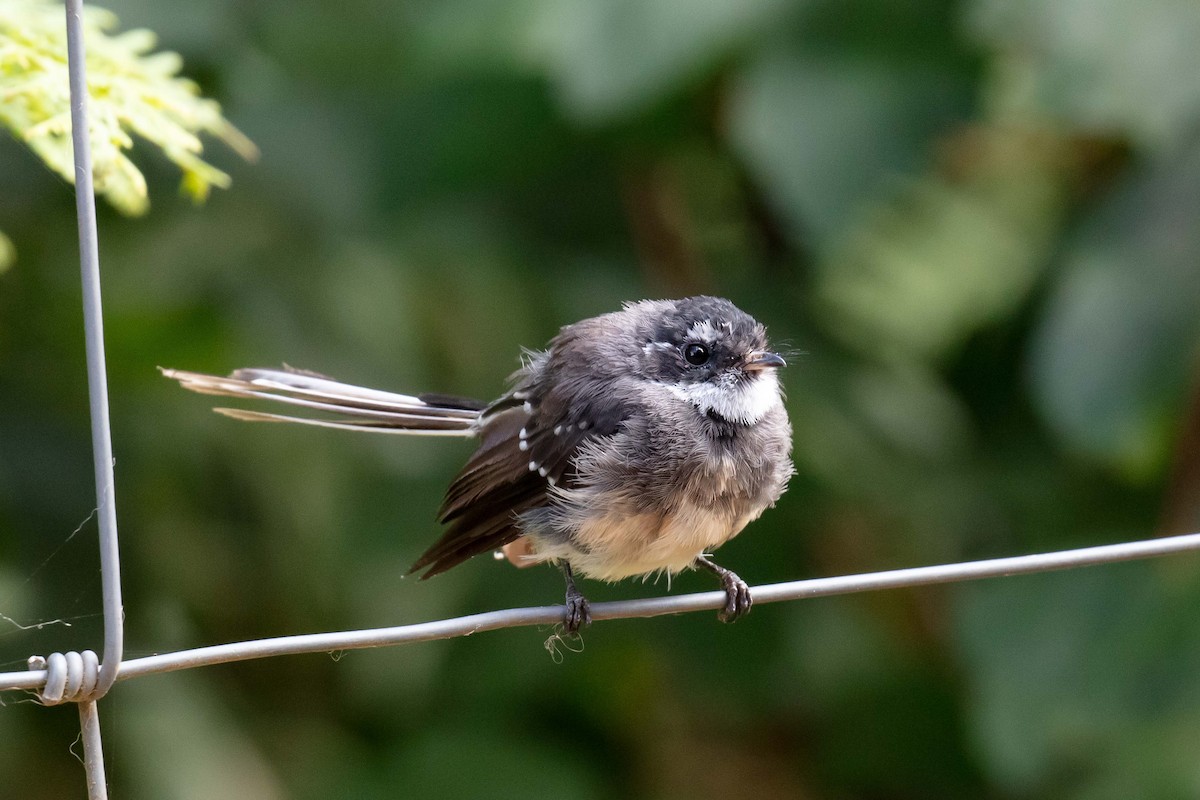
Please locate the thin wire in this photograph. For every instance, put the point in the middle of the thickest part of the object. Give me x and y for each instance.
(550, 615)
(93, 753)
(89, 262)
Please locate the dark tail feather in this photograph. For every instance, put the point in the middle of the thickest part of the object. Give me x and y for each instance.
(453, 549)
(331, 404)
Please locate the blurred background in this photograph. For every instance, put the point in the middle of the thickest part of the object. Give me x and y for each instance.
(977, 221)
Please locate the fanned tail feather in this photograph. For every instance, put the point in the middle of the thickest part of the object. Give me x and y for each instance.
(331, 404)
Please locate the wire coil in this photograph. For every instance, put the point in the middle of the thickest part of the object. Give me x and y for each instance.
(71, 677)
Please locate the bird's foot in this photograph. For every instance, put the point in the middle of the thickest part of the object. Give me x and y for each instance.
(737, 592)
(578, 614)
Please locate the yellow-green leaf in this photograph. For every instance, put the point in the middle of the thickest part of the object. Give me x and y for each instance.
(132, 92)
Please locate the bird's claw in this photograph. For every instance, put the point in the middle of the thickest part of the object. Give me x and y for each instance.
(578, 614)
(737, 598)
(737, 592)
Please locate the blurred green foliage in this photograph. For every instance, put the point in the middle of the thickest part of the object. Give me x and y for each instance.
(976, 222)
(132, 91)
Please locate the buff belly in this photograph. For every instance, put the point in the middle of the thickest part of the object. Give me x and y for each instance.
(616, 546)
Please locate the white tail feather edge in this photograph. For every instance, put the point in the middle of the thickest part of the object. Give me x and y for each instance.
(345, 425)
(381, 412)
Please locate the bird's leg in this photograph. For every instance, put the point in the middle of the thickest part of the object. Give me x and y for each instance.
(578, 614)
(737, 592)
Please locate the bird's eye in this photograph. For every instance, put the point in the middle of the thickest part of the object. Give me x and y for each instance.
(696, 354)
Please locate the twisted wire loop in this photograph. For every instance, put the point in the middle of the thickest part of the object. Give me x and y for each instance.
(70, 677)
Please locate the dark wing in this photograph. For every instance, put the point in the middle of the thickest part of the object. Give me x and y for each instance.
(527, 447)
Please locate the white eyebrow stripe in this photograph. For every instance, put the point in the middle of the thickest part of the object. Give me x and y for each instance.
(703, 331)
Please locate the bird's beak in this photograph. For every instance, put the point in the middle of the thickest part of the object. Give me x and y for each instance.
(761, 359)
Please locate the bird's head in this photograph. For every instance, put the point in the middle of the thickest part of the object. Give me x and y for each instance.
(711, 354)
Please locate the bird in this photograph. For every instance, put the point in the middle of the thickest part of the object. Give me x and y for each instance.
(634, 445)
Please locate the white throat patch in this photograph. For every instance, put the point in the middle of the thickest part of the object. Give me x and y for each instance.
(744, 403)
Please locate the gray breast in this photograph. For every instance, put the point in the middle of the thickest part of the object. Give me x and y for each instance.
(669, 485)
